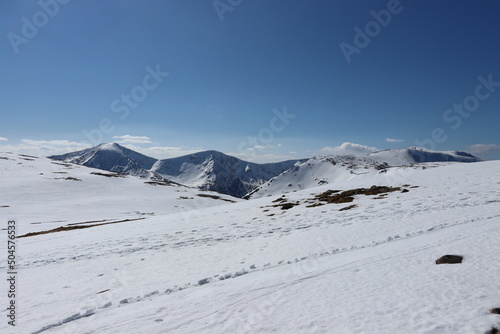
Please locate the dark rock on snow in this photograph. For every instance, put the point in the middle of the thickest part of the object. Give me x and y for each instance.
(449, 259)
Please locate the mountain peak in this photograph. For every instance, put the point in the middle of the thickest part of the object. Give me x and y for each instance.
(209, 153)
(109, 147)
(112, 157)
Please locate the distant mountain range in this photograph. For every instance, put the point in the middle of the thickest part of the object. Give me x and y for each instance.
(208, 170)
(216, 171)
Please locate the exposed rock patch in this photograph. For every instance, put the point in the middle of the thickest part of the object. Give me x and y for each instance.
(449, 259)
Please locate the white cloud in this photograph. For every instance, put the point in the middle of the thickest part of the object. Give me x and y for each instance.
(44, 147)
(482, 148)
(128, 139)
(260, 147)
(3, 139)
(51, 143)
(348, 149)
(392, 140)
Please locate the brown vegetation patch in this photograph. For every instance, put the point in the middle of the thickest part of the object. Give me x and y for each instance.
(375, 190)
(348, 207)
(69, 178)
(109, 174)
(336, 197)
(61, 164)
(215, 197)
(333, 196)
(89, 222)
(281, 203)
(74, 226)
(288, 206)
(159, 183)
(347, 196)
(314, 205)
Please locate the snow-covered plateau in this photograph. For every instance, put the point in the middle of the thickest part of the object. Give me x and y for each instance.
(101, 252)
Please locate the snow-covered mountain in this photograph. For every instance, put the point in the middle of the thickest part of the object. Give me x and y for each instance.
(215, 171)
(321, 170)
(408, 156)
(209, 170)
(111, 157)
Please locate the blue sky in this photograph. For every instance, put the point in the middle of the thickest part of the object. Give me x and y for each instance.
(262, 80)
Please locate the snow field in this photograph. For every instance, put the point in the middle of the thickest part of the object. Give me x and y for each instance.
(303, 270)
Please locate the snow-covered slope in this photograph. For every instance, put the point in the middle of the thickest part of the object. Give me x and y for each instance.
(318, 171)
(334, 168)
(262, 266)
(45, 194)
(209, 170)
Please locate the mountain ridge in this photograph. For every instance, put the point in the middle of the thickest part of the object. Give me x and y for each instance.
(207, 170)
(215, 171)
